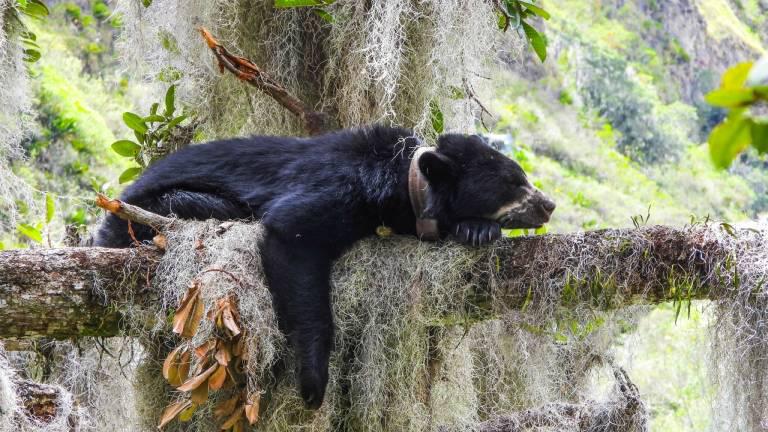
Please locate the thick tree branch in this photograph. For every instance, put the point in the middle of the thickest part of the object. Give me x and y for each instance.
(314, 122)
(61, 293)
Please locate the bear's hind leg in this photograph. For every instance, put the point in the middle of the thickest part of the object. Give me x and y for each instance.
(298, 277)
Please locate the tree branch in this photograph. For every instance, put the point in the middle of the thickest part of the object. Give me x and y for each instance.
(315, 122)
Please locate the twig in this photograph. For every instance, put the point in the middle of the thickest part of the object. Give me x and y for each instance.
(315, 122)
(133, 213)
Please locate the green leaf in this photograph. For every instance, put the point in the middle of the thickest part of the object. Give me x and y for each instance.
(154, 119)
(126, 148)
(50, 208)
(728, 139)
(502, 21)
(170, 100)
(22, 3)
(730, 98)
(134, 122)
(536, 10)
(153, 108)
(536, 40)
(146, 3)
(322, 13)
(31, 55)
(140, 137)
(176, 121)
(129, 174)
(36, 9)
(438, 122)
(30, 232)
(298, 3)
(735, 77)
(760, 136)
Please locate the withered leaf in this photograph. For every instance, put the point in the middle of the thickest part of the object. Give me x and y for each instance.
(160, 241)
(229, 321)
(203, 349)
(188, 304)
(223, 354)
(184, 364)
(252, 408)
(239, 426)
(195, 382)
(170, 366)
(186, 415)
(225, 408)
(200, 393)
(193, 320)
(171, 411)
(236, 415)
(216, 381)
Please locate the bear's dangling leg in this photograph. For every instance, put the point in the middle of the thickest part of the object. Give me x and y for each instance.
(298, 277)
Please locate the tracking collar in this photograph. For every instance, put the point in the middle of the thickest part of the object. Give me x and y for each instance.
(418, 191)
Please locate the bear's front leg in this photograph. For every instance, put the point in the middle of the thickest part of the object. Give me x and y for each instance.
(476, 232)
(298, 277)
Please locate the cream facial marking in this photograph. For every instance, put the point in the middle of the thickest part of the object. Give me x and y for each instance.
(518, 206)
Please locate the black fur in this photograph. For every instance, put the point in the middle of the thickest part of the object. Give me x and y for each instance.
(317, 196)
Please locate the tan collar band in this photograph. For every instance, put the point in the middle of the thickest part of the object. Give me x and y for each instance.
(418, 192)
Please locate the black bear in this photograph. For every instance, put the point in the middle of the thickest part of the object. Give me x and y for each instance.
(316, 196)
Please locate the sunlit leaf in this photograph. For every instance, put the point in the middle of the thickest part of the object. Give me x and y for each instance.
(728, 139)
(50, 208)
(730, 98)
(30, 232)
(736, 76)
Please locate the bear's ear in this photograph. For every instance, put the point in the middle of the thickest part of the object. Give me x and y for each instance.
(436, 167)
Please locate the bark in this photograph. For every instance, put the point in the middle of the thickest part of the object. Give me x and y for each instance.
(62, 293)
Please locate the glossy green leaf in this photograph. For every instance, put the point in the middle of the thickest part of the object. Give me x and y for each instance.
(31, 55)
(537, 41)
(759, 133)
(36, 9)
(134, 122)
(170, 101)
(126, 148)
(728, 139)
(438, 121)
(50, 208)
(536, 10)
(30, 232)
(730, 98)
(129, 174)
(22, 3)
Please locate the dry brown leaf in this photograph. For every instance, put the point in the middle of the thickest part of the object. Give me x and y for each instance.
(252, 408)
(170, 367)
(195, 382)
(216, 381)
(193, 320)
(223, 354)
(184, 364)
(239, 347)
(239, 426)
(186, 415)
(203, 349)
(200, 393)
(225, 408)
(171, 411)
(229, 320)
(237, 415)
(160, 241)
(180, 317)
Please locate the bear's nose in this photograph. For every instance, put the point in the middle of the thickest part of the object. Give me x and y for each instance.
(548, 206)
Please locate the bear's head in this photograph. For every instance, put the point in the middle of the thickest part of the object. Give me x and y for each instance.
(470, 181)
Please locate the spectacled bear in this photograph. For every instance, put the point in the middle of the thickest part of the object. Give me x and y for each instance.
(317, 196)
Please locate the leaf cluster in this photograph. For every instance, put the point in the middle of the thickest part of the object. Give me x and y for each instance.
(152, 133)
(743, 92)
(517, 14)
(34, 9)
